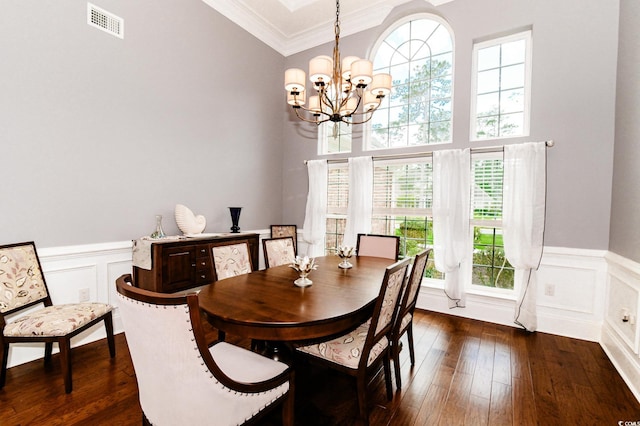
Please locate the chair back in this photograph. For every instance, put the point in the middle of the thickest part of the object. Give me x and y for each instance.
(387, 305)
(278, 231)
(387, 246)
(278, 251)
(22, 283)
(410, 296)
(231, 260)
(179, 381)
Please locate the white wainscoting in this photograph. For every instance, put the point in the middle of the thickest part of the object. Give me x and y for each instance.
(621, 339)
(576, 309)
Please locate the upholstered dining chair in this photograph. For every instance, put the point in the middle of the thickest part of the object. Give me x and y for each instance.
(278, 251)
(231, 260)
(387, 246)
(22, 286)
(278, 231)
(182, 381)
(363, 351)
(404, 319)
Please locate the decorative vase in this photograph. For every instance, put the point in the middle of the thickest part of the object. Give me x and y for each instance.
(158, 233)
(304, 266)
(345, 254)
(235, 218)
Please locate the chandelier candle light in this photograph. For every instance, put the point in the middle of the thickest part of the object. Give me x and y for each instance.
(344, 88)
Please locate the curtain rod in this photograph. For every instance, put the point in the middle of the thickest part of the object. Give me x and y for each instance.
(550, 143)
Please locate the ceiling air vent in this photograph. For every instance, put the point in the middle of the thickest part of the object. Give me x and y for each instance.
(105, 21)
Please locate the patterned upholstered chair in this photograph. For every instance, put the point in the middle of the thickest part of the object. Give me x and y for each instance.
(22, 286)
(362, 352)
(404, 319)
(278, 251)
(278, 231)
(387, 246)
(231, 260)
(182, 381)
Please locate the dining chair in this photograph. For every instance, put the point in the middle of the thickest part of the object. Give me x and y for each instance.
(183, 381)
(231, 260)
(404, 319)
(278, 251)
(387, 246)
(361, 353)
(22, 287)
(278, 231)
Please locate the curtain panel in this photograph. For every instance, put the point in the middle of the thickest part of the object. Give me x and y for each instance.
(360, 199)
(315, 218)
(523, 222)
(451, 235)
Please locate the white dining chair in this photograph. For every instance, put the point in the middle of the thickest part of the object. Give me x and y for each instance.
(182, 381)
(387, 246)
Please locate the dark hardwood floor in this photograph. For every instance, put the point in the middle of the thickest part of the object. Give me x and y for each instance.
(467, 373)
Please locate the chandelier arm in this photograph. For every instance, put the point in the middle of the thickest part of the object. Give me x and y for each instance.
(314, 121)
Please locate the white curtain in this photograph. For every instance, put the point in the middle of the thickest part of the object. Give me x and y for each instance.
(360, 199)
(523, 215)
(315, 219)
(451, 235)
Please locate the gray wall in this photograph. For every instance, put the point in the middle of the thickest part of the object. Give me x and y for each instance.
(625, 206)
(98, 134)
(573, 102)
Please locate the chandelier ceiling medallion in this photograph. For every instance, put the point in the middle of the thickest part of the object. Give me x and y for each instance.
(346, 90)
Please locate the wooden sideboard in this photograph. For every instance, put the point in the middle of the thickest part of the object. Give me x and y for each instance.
(182, 264)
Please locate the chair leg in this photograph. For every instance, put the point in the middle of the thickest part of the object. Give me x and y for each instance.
(108, 325)
(65, 362)
(221, 335)
(387, 375)
(412, 353)
(48, 348)
(396, 362)
(3, 363)
(363, 413)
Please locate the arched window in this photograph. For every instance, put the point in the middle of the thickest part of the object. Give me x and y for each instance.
(418, 53)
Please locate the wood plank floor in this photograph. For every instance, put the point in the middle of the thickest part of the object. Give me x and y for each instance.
(467, 373)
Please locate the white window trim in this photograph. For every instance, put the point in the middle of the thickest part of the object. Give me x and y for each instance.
(523, 35)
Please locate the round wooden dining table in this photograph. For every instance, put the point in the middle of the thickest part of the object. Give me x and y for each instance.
(266, 305)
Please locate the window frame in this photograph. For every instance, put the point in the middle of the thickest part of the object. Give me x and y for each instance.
(367, 131)
(527, 36)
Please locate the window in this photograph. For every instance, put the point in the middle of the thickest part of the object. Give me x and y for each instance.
(334, 138)
(501, 87)
(490, 265)
(419, 56)
(402, 197)
(402, 206)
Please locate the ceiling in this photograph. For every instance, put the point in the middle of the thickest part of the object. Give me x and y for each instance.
(291, 26)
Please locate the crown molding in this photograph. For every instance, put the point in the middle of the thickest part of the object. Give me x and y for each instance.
(288, 42)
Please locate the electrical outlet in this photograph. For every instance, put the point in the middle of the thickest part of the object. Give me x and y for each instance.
(84, 295)
(549, 289)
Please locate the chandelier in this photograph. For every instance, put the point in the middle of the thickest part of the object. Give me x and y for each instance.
(346, 91)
